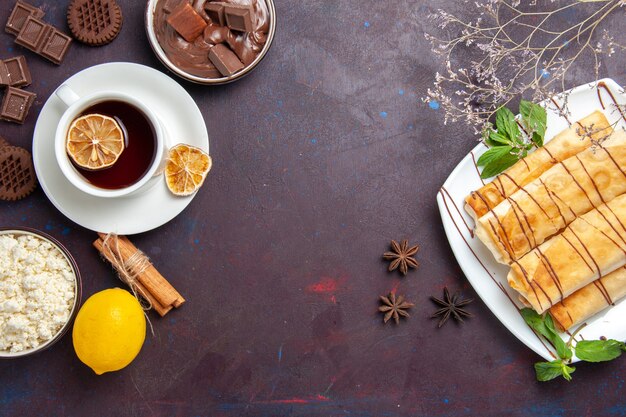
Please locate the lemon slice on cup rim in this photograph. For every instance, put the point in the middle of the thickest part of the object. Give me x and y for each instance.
(94, 141)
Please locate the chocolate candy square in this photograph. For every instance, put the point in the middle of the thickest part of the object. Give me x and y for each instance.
(16, 104)
(186, 22)
(170, 5)
(5, 80)
(56, 46)
(225, 60)
(18, 72)
(33, 34)
(215, 11)
(44, 40)
(238, 17)
(198, 6)
(18, 16)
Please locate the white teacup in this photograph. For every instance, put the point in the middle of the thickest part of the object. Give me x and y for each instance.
(75, 106)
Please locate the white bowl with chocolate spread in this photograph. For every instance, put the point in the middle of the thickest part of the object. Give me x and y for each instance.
(211, 42)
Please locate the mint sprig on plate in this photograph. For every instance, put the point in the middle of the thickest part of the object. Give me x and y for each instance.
(586, 350)
(508, 143)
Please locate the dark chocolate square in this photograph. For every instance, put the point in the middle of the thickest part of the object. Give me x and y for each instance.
(4, 75)
(33, 34)
(17, 69)
(18, 17)
(238, 17)
(170, 5)
(225, 60)
(186, 22)
(198, 6)
(56, 46)
(16, 104)
(215, 11)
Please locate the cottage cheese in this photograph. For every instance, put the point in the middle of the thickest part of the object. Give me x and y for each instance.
(37, 287)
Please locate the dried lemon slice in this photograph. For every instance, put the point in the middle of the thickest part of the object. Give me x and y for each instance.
(94, 141)
(186, 169)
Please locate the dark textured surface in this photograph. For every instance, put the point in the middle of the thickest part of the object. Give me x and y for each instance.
(322, 155)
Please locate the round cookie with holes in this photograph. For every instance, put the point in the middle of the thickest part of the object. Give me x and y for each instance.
(94, 22)
(17, 174)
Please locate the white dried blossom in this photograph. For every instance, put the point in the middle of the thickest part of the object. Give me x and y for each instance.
(513, 49)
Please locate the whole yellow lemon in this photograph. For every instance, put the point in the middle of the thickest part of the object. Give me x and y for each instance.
(109, 330)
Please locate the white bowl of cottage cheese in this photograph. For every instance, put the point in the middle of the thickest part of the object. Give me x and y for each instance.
(40, 290)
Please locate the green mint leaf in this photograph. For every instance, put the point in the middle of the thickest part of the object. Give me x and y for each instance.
(537, 139)
(562, 349)
(502, 116)
(534, 119)
(514, 132)
(497, 137)
(505, 123)
(567, 372)
(490, 143)
(507, 145)
(544, 325)
(599, 350)
(523, 154)
(534, 320)
(499, 165)
(493, 154)
(547, 371)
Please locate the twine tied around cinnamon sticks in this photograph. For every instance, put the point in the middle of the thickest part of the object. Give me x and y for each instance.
(135, 270)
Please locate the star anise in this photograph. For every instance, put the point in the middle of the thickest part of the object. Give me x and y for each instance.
(451, 307)
(401, 256)
(394, 307)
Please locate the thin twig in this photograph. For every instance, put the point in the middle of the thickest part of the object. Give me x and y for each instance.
(513, 51)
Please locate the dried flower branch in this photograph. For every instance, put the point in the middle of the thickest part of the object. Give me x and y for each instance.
(515, 51)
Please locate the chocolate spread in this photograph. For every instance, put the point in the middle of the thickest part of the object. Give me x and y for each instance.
(193, 57)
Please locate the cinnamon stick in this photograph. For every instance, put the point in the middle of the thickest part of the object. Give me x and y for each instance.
(156, 305)
(150, 279)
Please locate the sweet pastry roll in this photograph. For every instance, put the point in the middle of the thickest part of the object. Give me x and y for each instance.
(569, 142)
(546, 205)
(591, 247)
(590, 300)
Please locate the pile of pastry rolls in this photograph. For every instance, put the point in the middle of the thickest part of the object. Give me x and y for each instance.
(558, 219)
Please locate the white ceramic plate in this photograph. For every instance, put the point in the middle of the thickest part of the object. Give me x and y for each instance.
(489, 277)
(136, 213)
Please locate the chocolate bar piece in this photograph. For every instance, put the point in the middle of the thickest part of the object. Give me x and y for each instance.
(56, 46)
(18, 72)
(225, 60)
(18, 17)
(170, 5)
(186, 22)
(215, 11)
(238, 17)
(33, 34)
(4, 75)
(44, 39)
(198, 6)
(16, 104)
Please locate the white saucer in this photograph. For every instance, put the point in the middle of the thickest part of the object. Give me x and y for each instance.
(137, 213)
